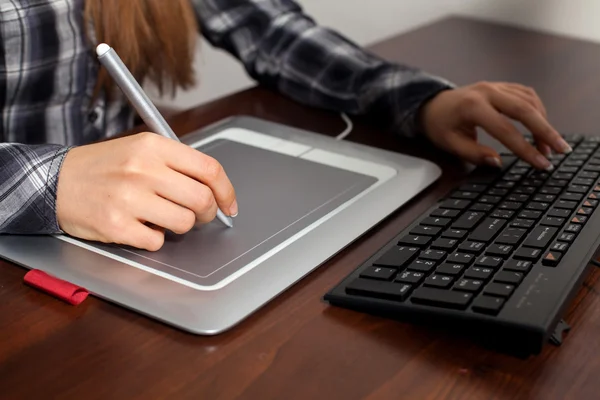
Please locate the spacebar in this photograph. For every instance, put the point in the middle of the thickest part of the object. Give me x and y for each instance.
(441, 298)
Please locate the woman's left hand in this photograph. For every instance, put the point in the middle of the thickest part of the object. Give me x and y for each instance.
(450, 120)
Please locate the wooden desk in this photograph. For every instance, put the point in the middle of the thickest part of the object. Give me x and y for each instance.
(297, 347)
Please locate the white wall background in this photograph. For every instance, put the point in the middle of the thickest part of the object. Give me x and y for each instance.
(219, 74)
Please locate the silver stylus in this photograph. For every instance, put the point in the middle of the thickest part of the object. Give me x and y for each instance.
(138, 98)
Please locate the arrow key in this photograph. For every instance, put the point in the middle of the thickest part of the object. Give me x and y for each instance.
(551, 258)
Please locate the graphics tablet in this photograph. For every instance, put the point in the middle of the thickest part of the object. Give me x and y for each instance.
(302, 198)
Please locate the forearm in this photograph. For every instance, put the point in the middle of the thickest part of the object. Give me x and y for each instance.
(28, 183)
(283, 48)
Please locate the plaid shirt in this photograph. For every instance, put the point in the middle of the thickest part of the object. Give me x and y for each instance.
(47, 76)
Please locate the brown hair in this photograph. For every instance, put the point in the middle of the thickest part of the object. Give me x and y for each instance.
(154, 38)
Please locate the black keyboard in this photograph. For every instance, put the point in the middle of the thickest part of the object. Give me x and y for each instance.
(500, 258)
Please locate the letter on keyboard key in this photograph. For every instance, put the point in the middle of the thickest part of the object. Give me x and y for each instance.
(468, 285)
(518, 266)
(397, 256)
(381, 289)
(460, 258)
(425, 230)
(468, 220)
(527, 253)
(434, 221)
(441, 298)
(511, 236)
(489, 261)
(487, 230)
(415, 240)
(540, 237)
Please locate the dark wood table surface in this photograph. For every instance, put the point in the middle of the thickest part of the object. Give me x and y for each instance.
(298, 347)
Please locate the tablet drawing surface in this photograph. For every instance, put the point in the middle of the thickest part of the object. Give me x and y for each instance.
(278, 195)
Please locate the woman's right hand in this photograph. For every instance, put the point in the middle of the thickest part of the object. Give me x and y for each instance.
(130, 190)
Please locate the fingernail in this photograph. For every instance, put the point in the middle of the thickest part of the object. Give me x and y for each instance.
(493, 161)
(544, 163)
(233, 210)
(566, 149)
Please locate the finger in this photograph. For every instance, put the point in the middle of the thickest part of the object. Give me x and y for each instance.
(500, 128)
(467, 148)
(166, 214)
(140, 236)
(519, 110)
(186, 192)
(530, 97)
(544, 149)
(205, 169)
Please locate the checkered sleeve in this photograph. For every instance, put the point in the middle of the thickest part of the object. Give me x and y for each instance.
(28, 183)
(284, 49)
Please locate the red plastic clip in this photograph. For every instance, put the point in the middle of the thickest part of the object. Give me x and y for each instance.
(63, 290)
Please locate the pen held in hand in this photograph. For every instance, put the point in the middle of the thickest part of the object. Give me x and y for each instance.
(140, 101)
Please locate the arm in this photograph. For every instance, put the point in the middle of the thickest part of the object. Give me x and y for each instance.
(283, 49)
(28, 182)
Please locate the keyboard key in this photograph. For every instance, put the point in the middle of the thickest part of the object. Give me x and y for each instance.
(552, 221)
(489, 261)
(450, 269)
(522, 223)
(537, 206)
(439, 281)
(528, 253)
(569, 205)
(532, 182)
(568, 169)
(441, 298)
(468, 220)
(499, 289)
(560, 183)
(481, 207)
(464, 195)
(571, 196)
(588, 174)
(500, 250)
(577, 189)
(540, 237)
(505, 184)
(413, 240)
(479, 273)
(514, 278)
(583, 182)
(518, 266)
(525, 190)
(471, 247)
(490, 199)
(511, 236)
(559, 246)
(592, 168)
(579, 219)
(573, 228)
(550, 190)
(593, 196)
(434, 255)
(381, 289)
(422, 265)
(590, 203)
(559, 212)
(585, 211)
(510, 205)
(563, 175)
(444, 244)
(454, 233)
(551, 258)
(468, 285)
(530, 214)
(504, 214)
(379, 273)
(487, 305)
(461, 258)
(521, 198)
(497, 192)
(512, 177)
(425, 230)
(410, 277)
(544, 197)
(470, 187)
(487, 230)
(433, 221)
(444, 213)
(566, 237)
(455, 204)
(397, 256)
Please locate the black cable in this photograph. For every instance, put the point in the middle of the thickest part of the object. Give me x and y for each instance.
(596, 263)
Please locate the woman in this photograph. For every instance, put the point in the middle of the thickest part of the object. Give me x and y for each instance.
(56, 100)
